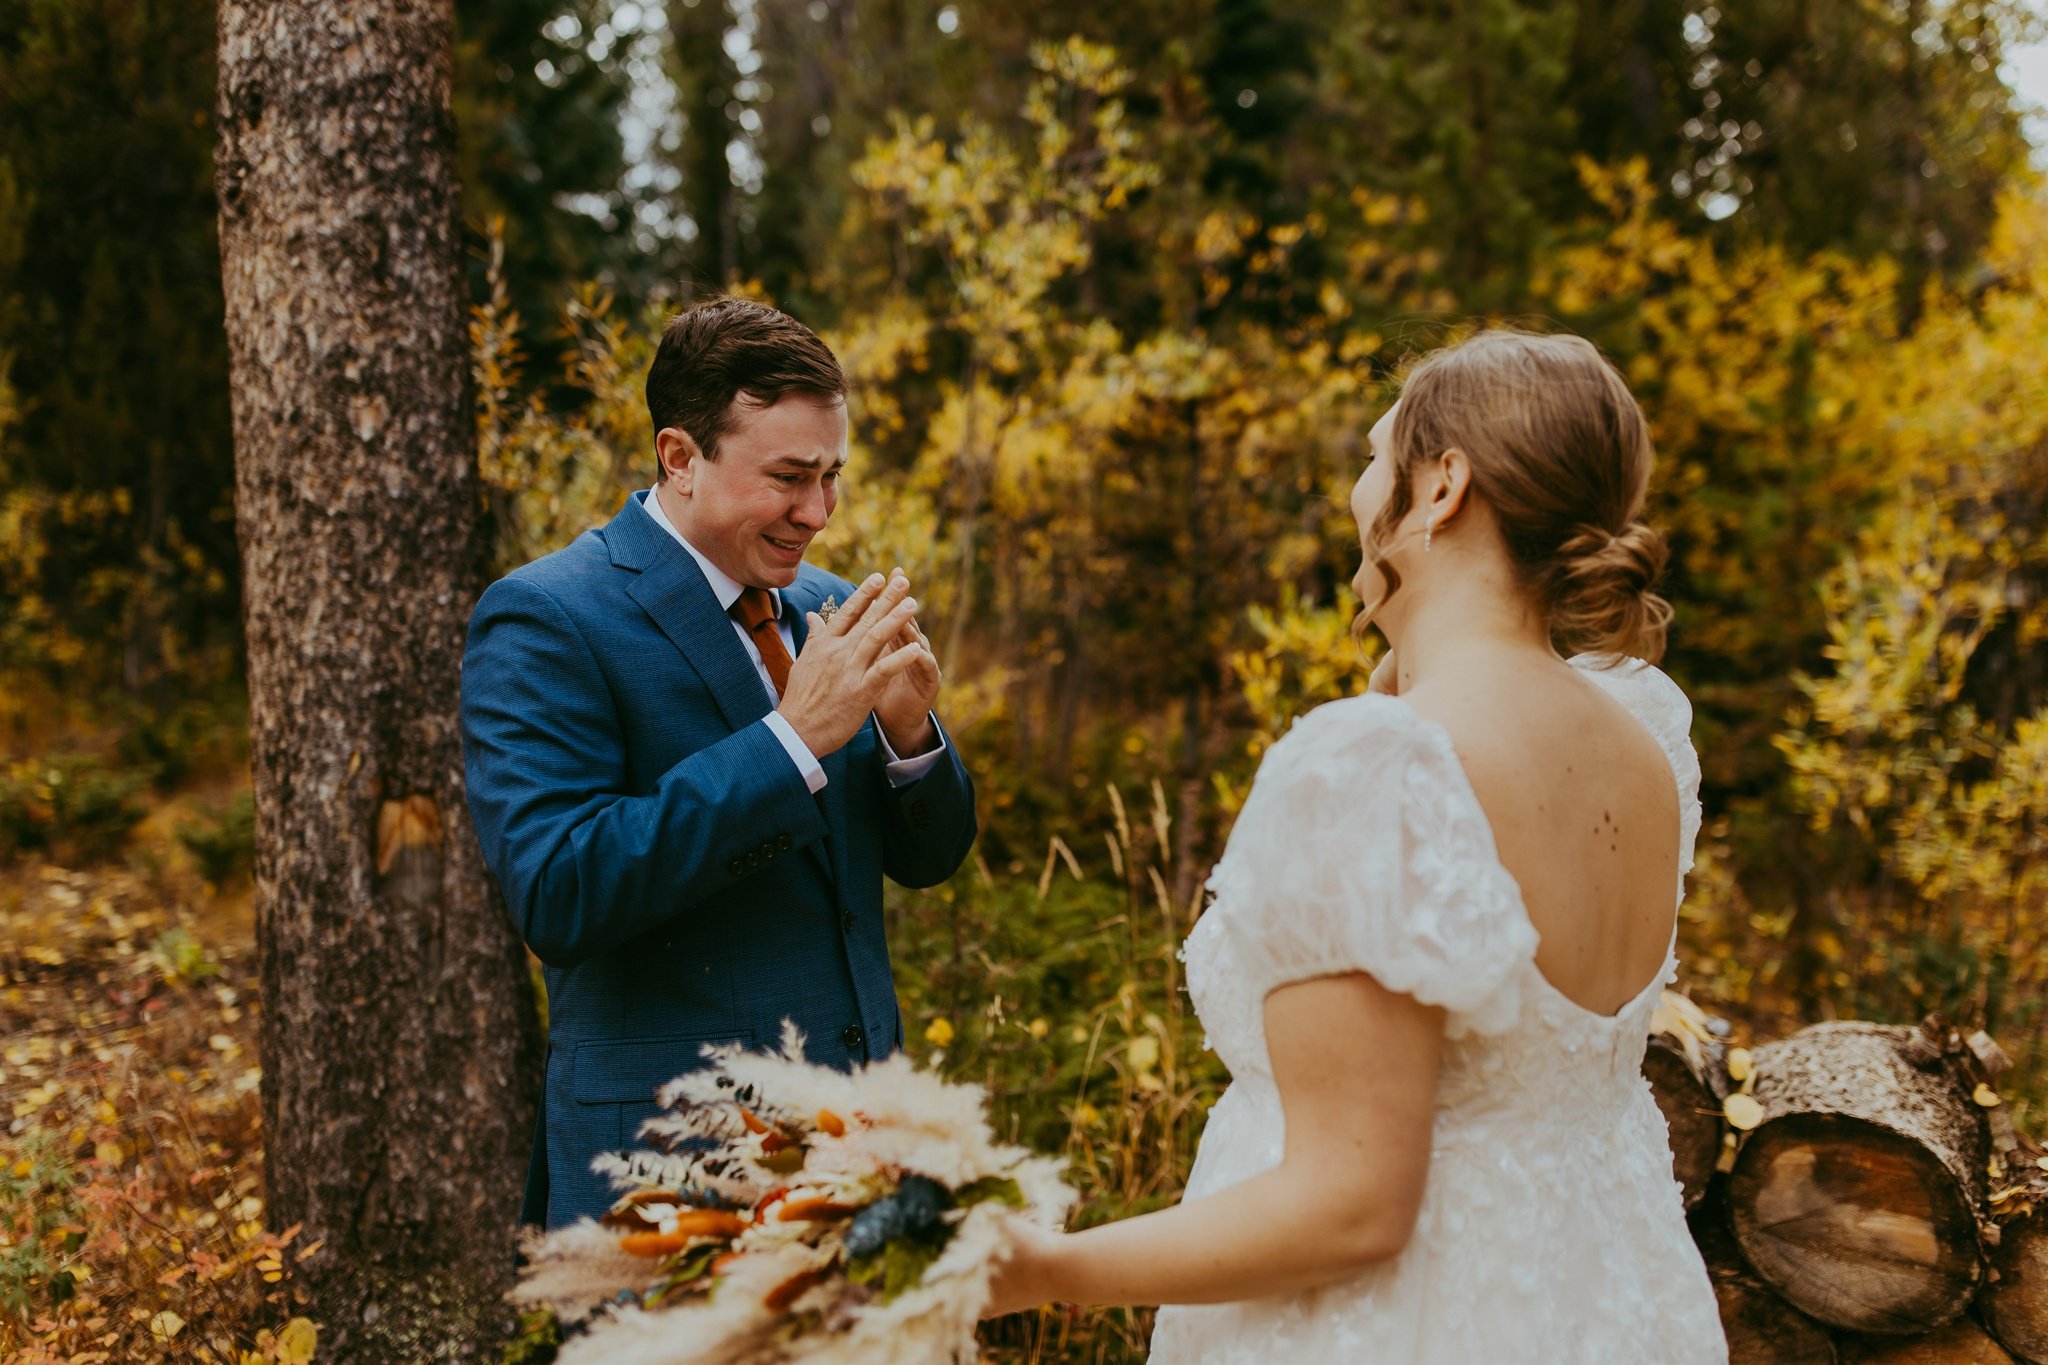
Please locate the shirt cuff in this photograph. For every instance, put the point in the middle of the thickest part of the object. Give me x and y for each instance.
(799, 752)
(904, 771)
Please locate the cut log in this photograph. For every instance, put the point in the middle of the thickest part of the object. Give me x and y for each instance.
(2015, 1302)
(1962, 1342)
(1857, 1196)
(1762, 1329)
(1683, 1065)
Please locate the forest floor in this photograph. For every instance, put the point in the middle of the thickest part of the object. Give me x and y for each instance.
(131, 1213)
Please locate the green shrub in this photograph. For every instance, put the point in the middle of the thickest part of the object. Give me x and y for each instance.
(222, 841)
(37, 1203)
(70, 806)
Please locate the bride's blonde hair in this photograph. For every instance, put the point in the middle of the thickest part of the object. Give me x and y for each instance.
(1561, 453)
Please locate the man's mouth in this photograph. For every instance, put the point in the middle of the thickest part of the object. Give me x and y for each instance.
(791, 547)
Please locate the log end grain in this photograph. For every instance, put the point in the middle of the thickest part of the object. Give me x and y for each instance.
(1857, 1225)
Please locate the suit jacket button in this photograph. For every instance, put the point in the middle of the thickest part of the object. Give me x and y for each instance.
(754, 858)
(855, 1037)
(846, 921)
(920, 812)
(736, 866)
(782, 842)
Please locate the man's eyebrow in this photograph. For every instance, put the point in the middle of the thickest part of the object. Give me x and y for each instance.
(808, 461)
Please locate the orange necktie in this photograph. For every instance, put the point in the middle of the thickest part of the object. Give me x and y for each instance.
(755, 611)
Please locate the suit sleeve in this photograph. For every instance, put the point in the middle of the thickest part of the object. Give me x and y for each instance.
(928, 827)
(584, 863)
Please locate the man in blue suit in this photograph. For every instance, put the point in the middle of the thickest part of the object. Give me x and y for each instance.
(689, 774)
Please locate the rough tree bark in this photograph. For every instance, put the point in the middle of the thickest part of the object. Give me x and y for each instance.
(399, 1045)
(1859, 1195)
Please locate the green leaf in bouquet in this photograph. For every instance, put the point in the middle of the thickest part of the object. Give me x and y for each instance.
(1001, 1188)
(787, 1161)
(690, 1271)
(897, 1266)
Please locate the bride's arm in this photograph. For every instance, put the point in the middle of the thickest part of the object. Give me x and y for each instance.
(1356, 1066)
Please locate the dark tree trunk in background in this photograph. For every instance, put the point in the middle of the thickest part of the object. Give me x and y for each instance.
(399, 1044)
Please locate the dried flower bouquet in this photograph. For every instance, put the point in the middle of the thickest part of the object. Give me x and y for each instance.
(787, 1212)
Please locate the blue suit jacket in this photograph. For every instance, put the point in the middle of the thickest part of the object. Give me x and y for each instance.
(658, 849)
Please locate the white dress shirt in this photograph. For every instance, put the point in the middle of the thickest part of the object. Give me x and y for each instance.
(902, 771)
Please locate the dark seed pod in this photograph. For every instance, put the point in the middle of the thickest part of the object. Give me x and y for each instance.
(915, 1210)
(923, 1201)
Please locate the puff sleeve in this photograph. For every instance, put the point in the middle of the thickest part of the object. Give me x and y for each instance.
(1362, 848)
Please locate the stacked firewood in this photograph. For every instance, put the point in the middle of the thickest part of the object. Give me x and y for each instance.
(1858, 1191)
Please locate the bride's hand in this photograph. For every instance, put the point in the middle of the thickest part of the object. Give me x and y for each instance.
(1022, 1279)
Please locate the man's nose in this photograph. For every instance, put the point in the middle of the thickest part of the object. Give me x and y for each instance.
(810, 511)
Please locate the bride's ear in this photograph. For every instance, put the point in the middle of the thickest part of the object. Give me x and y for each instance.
(1445, 488)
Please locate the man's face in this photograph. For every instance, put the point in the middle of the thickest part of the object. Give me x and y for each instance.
(754, 509)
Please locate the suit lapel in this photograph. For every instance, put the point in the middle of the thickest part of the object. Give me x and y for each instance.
(672, 591)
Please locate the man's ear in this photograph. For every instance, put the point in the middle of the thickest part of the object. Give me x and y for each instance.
(677, 450)
(1446, 487)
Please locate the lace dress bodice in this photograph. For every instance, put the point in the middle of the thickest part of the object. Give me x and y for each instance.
(1551, 1228)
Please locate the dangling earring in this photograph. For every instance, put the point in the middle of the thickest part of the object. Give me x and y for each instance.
(1428, 535)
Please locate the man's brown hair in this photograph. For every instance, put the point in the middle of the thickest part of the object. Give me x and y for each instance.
(724, 351)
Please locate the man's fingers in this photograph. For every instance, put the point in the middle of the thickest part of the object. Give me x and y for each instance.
(895, 662)
(853, 608)
(884, 631)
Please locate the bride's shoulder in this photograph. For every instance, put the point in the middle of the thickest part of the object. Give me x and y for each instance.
(1644, 689)
(1365, 714)
(1626, 673)
(1346, 736)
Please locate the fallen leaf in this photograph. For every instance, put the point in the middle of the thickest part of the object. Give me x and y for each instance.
(297, 1342)
(1742, 1111)
(1985, 1096)
(1740, 1063)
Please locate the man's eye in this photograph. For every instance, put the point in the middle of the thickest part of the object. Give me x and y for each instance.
(783, 479)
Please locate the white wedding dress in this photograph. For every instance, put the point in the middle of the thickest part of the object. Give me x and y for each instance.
(1551, 1230)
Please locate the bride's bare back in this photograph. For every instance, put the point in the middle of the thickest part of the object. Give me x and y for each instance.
(1584, 815)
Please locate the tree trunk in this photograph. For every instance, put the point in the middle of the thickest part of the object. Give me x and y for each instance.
(1962, 1342)
(2015, 1302)
(1685, 1075)
(400, 1057)
(1857, 1197)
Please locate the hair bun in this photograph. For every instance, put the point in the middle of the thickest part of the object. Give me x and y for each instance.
(1606, 603)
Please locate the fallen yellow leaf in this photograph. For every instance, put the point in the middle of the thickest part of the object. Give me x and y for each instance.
(166, 1325)
(1740, 1063)
(939, 1033)
(1985, 1096)
(297, 1342)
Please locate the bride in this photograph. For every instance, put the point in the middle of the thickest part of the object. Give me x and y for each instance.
(1439, 931)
